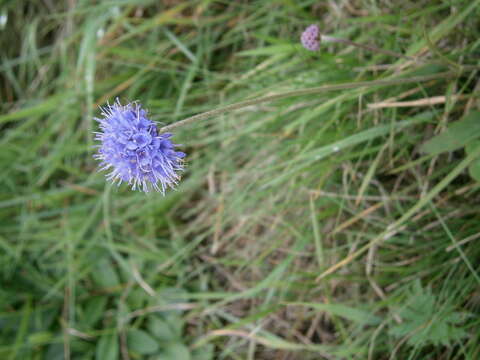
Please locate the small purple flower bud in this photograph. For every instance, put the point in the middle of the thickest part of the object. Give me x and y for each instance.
(132, 149)
(311, 38)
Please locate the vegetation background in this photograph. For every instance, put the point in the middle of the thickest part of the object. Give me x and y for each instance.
(341, 225)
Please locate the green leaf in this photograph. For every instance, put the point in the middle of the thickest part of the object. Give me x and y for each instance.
(161, 329)
(426, 321)
(176, 323)
(457, 135)
(107, 348)
(136, 298)
(205, 352)
(104, 274)
(40, 338)
(94, 310)
(474, 168)
(176, 351)
(141, 342)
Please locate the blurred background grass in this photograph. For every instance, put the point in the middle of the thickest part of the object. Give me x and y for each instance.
(274, 195)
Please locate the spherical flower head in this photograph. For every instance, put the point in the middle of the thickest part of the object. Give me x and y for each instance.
(134, 151)
(311, 38)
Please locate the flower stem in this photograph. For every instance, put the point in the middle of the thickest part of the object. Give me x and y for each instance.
(301, 92)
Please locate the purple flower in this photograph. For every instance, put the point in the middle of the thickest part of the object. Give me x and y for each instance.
(133, 150)
(311, 38)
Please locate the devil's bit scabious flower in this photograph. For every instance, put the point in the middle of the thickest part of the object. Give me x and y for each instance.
(133, 150)
(311, 38)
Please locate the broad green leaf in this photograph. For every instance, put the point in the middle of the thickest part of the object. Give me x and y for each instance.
(141, 342)
(474, 168)
(457, 135)
(176, 351)
(94, 310)
(136, 298)
(176, 323)
(161, 329)
(104, 274)
(107, 348)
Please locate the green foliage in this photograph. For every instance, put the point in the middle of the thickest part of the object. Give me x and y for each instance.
(426, 321)
(463, 133)
(456, 136)
(105, 274)
(140, 342)
(107, 347)
(274, 195)
(474, 168)
(175, 350)
(166, 330)
(353, 314)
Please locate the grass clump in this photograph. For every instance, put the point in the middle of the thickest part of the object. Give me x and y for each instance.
(320, 226)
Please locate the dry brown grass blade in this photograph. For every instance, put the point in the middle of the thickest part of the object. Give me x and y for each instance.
(434, 100)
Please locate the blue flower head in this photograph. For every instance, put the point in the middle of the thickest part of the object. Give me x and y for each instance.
(133, 150)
